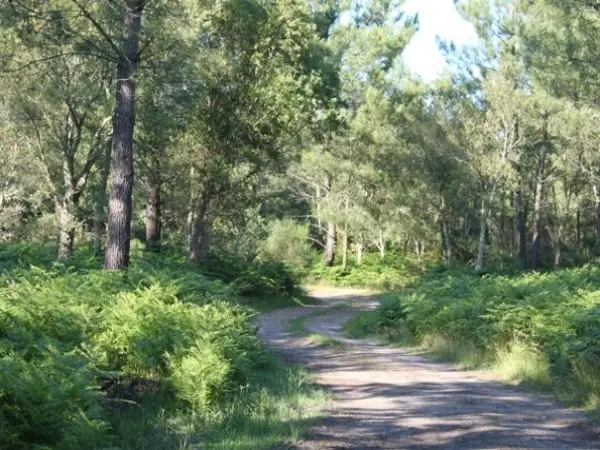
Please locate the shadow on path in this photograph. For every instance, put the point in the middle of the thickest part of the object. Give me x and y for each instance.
(387, 398)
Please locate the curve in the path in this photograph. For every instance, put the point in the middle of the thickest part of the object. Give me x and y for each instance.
(387, 398)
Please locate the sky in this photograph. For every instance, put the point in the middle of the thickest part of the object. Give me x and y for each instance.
(436, 18)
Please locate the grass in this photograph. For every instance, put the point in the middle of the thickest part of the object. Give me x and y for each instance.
(274, 408)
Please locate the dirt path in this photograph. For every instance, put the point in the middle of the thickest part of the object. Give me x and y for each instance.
(387, 398)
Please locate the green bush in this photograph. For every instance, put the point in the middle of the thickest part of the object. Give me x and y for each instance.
(288, 242)
(257, 278)
(265, 278)
(78, 343)
(391, 272)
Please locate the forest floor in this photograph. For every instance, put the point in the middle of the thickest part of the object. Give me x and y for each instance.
(391, 398)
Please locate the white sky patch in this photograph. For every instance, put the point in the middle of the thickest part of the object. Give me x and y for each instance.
(436, 18)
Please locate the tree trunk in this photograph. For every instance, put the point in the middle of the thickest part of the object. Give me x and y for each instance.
(153, 213)
(520, 231)
(330, 237)
(448, 241)
(419, 250)
(381, 244)
(445, 237)
(539, 191)
(557, 248)
(345, 251)
(199, 244)
(66, 209)
(100, 203)
(345, 243)
(120, 206)
(319, 221)
(485, 210)
(359, 251)
(330, 245)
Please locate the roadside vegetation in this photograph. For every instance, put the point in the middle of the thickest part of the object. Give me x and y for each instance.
(539, 329)
(161, 357)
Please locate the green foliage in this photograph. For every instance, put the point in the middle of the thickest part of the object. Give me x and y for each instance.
(288, 242)
(539, 328)
(49, 401)
(77, 344)
(391, 272)
(260, 277)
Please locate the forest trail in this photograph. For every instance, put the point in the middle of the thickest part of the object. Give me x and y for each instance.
(390, 398)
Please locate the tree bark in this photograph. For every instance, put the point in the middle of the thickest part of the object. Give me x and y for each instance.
(319, 221)
(381, 244)
(448, 241)
(66, 208)
(330, 238)
(120, 206)
(345, 251)
(539, 192)
(359, 252)
(330, 245)
(521, 231)
(199, 244)
(100, 203)
(485, 210)
(445, 236)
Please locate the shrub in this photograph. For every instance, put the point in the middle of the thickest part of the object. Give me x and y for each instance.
(288, 242)
(76, 343)
(392, 272)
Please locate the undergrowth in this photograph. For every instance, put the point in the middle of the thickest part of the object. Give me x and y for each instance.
(541, 329)
(163, 356)
(391, 272)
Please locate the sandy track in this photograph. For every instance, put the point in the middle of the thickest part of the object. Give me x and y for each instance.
(387, 398)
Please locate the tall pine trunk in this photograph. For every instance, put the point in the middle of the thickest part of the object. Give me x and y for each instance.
(538, 198)
(100, 203)
(445, 235)
(120, 206)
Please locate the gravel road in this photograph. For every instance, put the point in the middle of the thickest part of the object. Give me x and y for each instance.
(389, 398)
